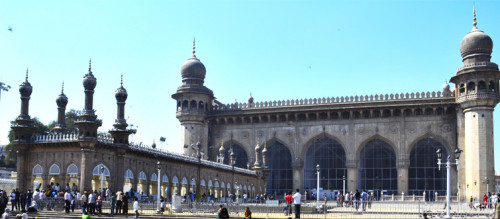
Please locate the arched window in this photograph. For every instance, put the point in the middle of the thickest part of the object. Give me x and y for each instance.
(184, 181)
(471, 87)
(424, 174)
(175, 180)
(72, 170)
(129, 174)
(154, 177)
(201, 106)
(491, 86)
(37, 170)
(239, 153)
(164, 178)
(461, 89)
(279, 163)
(193, 105)
(330, 156)
(377, 169)
(54, 170)
(481, 86)
(97, 170)
(185, 105)
(142, 176)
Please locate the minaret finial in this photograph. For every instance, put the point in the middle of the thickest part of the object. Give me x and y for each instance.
(121, 81)
(90, 66)
(194, 46)
(62, 89)
(474, 12)
(222, 143)
(258, 141)
(26, 74)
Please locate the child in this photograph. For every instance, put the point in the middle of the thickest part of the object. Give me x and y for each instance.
(136, 207)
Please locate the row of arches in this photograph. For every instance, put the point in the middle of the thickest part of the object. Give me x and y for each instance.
(474, 87)
(192, 105)
(337, 115)
(101, 176)
(376, 166)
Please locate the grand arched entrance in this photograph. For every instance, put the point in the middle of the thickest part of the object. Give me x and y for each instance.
(279, 163)
(241, 157)
(424, 174)
(330, 156)
(377, 168)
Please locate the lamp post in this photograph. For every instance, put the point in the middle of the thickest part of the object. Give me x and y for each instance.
(237, 187)
(448, 175)
(102, 177)
(317, 187)
(343, 188)
(487, 181)
(475, 191)
(158, 209)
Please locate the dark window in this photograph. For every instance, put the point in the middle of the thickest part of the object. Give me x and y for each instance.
(279, 162)
(331, 158)
(481, 86)
(377, 169)
(424, 174)
(240, 155)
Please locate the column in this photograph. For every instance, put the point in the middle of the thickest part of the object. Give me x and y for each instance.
(21, 168)
(86, 171)
(297, 166)
(403, 165)
(119, 172)
(352, 175)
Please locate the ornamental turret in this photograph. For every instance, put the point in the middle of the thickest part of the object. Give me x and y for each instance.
(61, 101)
(23, 125)
(194, 100)
(222, 152)
(476, 92)
(258, 155)
(87, 123)
(120, 132)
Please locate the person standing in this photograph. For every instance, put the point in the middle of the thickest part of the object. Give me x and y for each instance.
(296, 200)
(364, 197)
(136, 207)
(92, 200)
(119, 202)
(289, 201)
(99, 199)
(125, 205)
(67, 201)
(29, 196)
(357, 199)
(83, 199)
(13, 199)
(112, 202)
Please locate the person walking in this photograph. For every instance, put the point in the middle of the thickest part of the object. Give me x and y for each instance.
(100, 197)
(289, 201)
(112, 202)
(296, 200)
(357, 199)
(67, 201)
(136, 207)
(364, 198)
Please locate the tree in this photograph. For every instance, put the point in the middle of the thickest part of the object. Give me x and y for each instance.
(3, 87)
(71, 117)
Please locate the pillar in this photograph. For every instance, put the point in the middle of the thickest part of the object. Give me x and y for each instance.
(22, 171)
(403, 165)
(119, 172)
(86, 171)
(297, 168)
(352, 175)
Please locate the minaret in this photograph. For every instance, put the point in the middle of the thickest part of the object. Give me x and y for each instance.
(194, 100)
(87, 122)
(120, 132)
(23, 129)
(222, 152)
(61, 101)
(476, 87)
(23, 125)
(258, 154)
(264, 156)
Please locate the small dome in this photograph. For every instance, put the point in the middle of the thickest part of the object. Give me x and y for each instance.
(62, 100)
(193, 69)
(121, 94)
(446, 86)
(25, 88)
(476, 42)
(250, 99)
(89, 81)
(154, 145)
(221, 149)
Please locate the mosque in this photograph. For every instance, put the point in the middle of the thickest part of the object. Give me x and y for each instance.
(377, 142)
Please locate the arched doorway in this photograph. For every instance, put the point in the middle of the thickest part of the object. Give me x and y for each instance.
(279, 163)
(73, 177)
(424, 174)
(100, 175)
(54, 174)
(37, 177)
(129, 180)
(175, 185)
(153, 187)
(141, 185)
(184, 186)
(241, 157)
(377, 168)
(164, 185)
(330, 156)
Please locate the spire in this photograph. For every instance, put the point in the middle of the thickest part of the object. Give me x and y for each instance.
(474, 12)
(121, 81)
(26, 74)
(62, 89)
(194, 47)
(222, 143)
(90, 67)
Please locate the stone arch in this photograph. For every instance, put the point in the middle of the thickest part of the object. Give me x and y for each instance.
(193, 105)
(371, 138)
(37, 170)
(276, 139)
(309, 142)
(471, 87)
(72, 169)
(129, 174)
(54, 170)
(185, 105)
(241, 159)
(97, 172)
(428, 135)
(279, 164)
(142, 176)
(377, 168)
(481, 86)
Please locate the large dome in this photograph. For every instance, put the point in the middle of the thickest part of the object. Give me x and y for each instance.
(193, 69)
(476, 42)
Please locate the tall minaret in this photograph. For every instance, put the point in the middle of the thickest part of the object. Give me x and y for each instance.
(61, 101)
(120, 132)
(23, 129)
(87, 122)
(477, 93)
(23, 126)
(194, 100)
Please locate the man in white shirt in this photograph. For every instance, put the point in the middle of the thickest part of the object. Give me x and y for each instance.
(67, 201)
(296, 200)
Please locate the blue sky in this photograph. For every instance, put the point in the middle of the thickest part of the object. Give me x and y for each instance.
(276, 50)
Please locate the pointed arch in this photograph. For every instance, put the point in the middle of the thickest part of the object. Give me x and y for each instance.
(129, 174)
(142, 176)
(331, 157)
(282, 142)
(97, 172)
(72, 169)
(223, 185)
(175, 180)
(430, 135)
(37, 170)
(203, 183)
(240, 154)
(154, 177)
(164, 178)
(54, 170)
(315, 138)
(377, 167)
(373, 137)
(279, 164)
(210, 183)
(184, 181)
